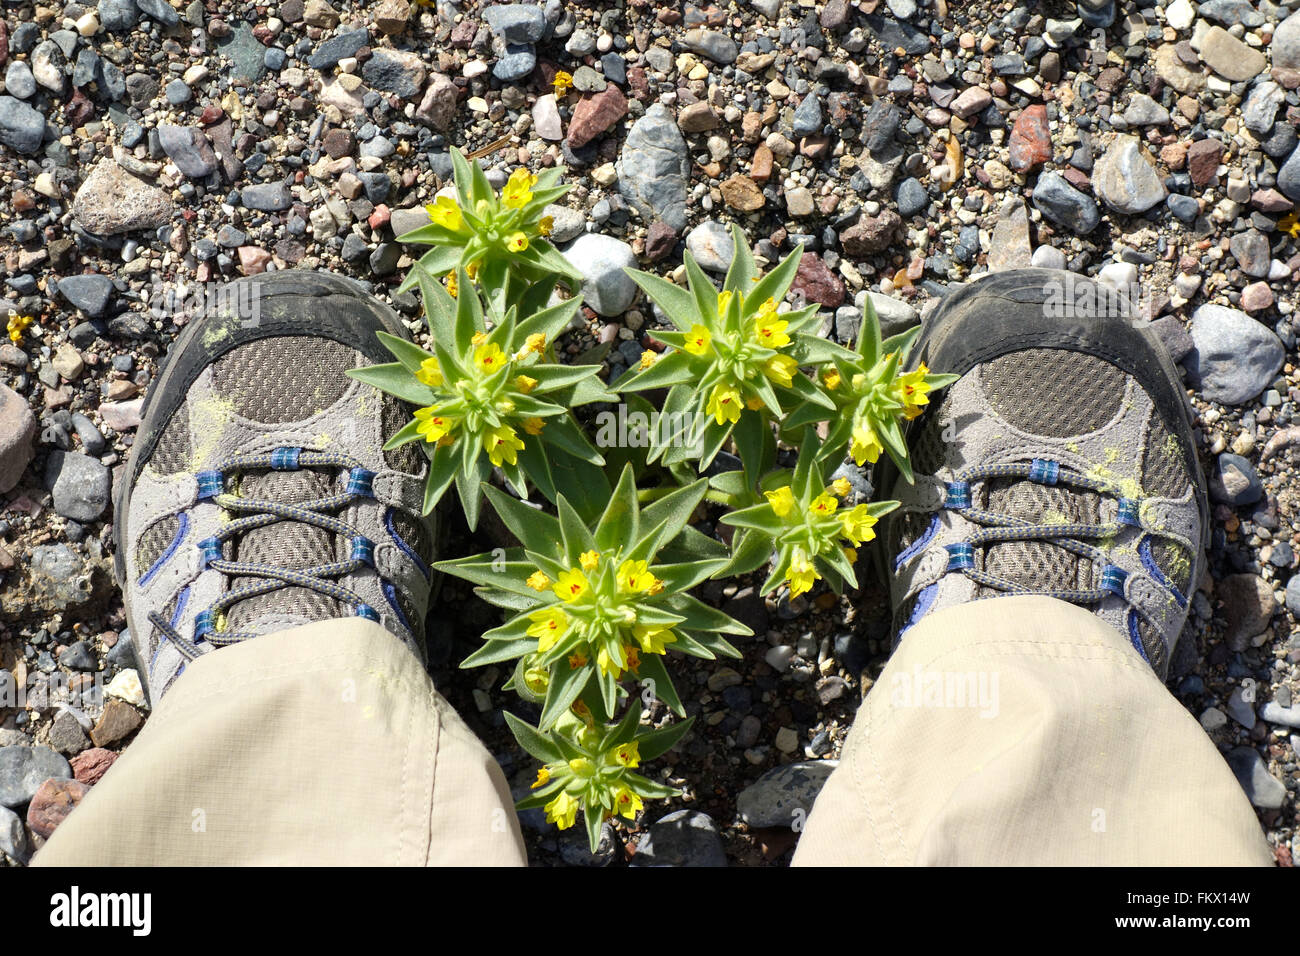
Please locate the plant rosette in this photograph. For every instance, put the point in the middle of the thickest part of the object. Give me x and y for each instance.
(595, 605)
(733, 355)
(489, 395)
(803, 524)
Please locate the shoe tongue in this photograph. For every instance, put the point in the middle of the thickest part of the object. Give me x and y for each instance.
(1040, 565)
(285, 544)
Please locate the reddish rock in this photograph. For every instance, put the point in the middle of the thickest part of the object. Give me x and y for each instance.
(252, 260)
(52, 804)
(339, 143)
(1031, 139)
(212, 113)
(1203, 161)
(1270, 200)
(817, 282)
(871, 234)
(379, 218)
(595, 114)
(90, 765)
(1256, 297)
(4, 42)
(660, 239)
(1174, 155)
(1077, 178)
(78, 109)
(760, 169)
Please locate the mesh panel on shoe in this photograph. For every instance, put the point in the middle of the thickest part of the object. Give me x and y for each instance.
(307, 372)
(928, 448)
(1026, 388)
(1176, 563)
(407, 458)
(414, 533)
(1154, 645)
(154, 542)
(1040, 565)
(172, 452)
(285, 544)
(1164, 472)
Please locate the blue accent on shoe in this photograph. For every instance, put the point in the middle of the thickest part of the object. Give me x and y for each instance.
(368, 612)
(182, 599)
(1112, 579)
(958, 495)
(1128, 513)
(390, 592)
(359, 482)
(1149, 562)
(405, 548)
(285, 459)
(960, 556)
(171, 549)
(209, 551)
(363, 550)
(924, 601)
(1135, 636)
(1044, 471)
(204, 624)
(916, 546)
(211, 484)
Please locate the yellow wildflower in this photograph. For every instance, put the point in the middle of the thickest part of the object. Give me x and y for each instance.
(489, 358)
(534, 425)
(824, 504)
(538, 581)
(549, 625)
(444, 212)
(627, 803)
(503, 445)
(518, 242)
(648, 358)
(609, 664)
(856, 525)
(841, 487)
(562, 82)
(430, 373)
(518, 190)
(913, 392)
(770, 332)
(452, 286)
(781, 369)
(831, 379)
(525, 383)
(572, 584)
(634, 577)
(543, 778)
(589, 560)
(653, 638)
(628, 754)
(782, 501)
(18, 325)
(753, 403)
(432, 425)
(865, 445)
(545, 225)
(724, 302)
(562, 811)
(577, 660)
(724, 403)
(1290, 224)
(801, 574)
(535, 343)
(698, 339)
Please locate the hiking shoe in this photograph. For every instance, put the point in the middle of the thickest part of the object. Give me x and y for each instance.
(1061, 463)
(256, 496)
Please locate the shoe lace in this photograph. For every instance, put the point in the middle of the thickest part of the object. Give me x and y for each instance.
(257, 513)
(997, 528)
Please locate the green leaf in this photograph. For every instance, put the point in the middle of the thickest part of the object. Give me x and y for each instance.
(684, 576)
(574, 532)
(698, 616)
(667, 516)
(750, 551)
(409, 354)
(776, 283)
(758, 517)
(677, 303)
(537, 745)
(661, 686)
(559, 376)
(671, 369)
(620, 523)
(716, 644)
(469, 487)
(656, 743)
(565, 687)
(625, 729)
(741, 273)
(442, 469)
(463, 178)
(395, 379)
(494, 652)
(582, 484)
(593, 820)
(536, 530)
(703, 290)
(407, 433)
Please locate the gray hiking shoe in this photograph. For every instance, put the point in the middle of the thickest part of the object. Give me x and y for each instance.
(1061, 463)
(257, 496)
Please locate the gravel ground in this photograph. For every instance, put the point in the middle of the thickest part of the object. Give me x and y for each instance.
(148, 149)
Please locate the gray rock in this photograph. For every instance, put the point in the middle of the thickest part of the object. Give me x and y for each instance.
(1229, 12)
(1064, 205)
(1230, 57)
(1237, 484)
(1186, 208)
(711, 244)
(19, 81)
(880, 125)
(49, 67)
(1144, 111)
(1263, 789)
(112, 201)
(67, 735)
(89, 293)
(336, 48)
(24, 769)
(267, 197)
(784, 796)
(606, 287)
(1009, 247)
(189, 149)
(654, 166)
(160, 10)
(395, 71)
(1047, 257)
(13, 837)
(1125, 180)
(566, 223)
(1261, 106)
(768, 8)
(1286, 43)
(682, 838)
(911, 197)
(514, 63)
(21, 127)
(1288, 177)
(80, 485)
(1275, 713)
(1251, 250)
(118, 15)
(718, 47)
(894, 315)
(808, 116)
(1235, 357)
(1240, 709)
(516, 22)
(17, 430)
(1293, 595)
